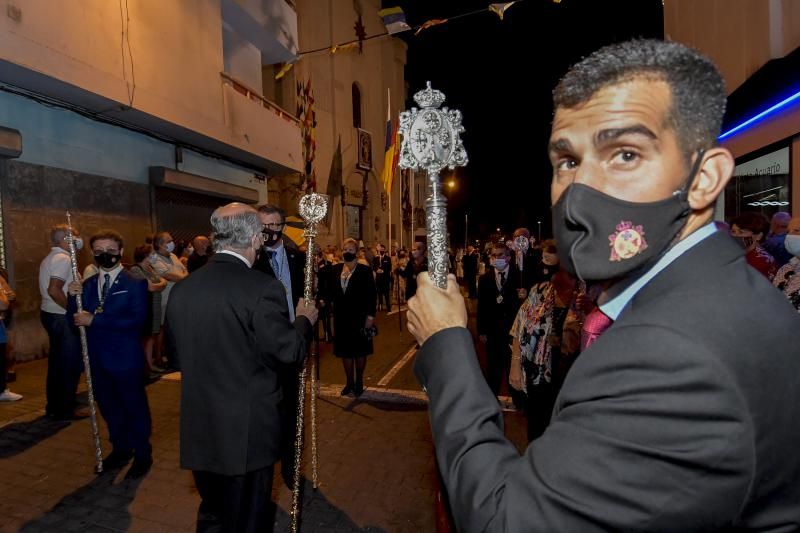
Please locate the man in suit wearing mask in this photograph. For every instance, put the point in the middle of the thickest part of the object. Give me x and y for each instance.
(676, 417)
(280, 259)
(231, 329)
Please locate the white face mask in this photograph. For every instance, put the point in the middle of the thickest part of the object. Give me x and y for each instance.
(78, 243)
(170, 247)
(792, 245)
(189, 250)
(500, 264)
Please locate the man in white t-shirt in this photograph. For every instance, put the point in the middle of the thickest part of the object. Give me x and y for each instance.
(64, 364)
(169, 267)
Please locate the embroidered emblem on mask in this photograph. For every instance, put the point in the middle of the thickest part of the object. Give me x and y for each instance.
(626, 242)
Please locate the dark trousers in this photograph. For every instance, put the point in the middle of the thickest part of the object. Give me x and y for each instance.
(540, 402)
(385, 296)
(122, 400)
(288, 378)
(472, 284)
(498, 359)
(234, 504)
(64, 365)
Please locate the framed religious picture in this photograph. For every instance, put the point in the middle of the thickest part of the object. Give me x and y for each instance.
(353, 221)
(364, 149)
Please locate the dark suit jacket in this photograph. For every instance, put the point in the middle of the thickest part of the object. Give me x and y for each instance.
(495, 319)
(383, 280)
(297, 265)
(114, 336)
(681, 417)
(350, 309)
(230, 327)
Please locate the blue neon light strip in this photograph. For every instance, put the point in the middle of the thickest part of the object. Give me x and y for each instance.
(774, 109)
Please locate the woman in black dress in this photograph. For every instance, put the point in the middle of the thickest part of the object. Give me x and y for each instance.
(350, 288)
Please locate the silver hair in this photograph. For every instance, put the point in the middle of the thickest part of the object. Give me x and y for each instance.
(235, 231)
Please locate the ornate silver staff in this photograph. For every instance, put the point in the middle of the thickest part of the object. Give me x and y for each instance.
(431, 142)
(313, 209)
(521, 245)
(98, 452)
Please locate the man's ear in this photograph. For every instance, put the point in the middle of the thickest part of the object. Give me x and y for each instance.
(713, 175)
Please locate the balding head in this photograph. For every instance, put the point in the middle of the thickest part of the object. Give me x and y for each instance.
(201, 244)
(779, 223)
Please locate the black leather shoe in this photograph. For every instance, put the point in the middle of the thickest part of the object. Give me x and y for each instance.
(116, 459)
(358, 390)
(347, 390)
(140, 467)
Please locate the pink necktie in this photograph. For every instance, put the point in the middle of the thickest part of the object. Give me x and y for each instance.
(594, 325)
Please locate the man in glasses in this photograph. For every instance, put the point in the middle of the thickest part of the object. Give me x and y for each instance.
(286, 264)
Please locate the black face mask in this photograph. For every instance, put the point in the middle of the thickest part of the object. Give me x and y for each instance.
(107, 260)
(348, 256)
(271, 237)
(601, 237)
(549, 270)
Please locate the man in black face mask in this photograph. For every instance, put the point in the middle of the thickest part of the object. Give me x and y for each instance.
(676, 417)
(114, 310)
(279, 258)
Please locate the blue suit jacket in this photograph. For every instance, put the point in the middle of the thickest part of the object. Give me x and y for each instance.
(114, 336)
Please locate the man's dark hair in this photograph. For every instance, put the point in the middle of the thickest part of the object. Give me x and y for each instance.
(159, 238)
(698, 90)
(500, 245)
(142, 252)
(269, 209)
(752, 221)
(106, 234)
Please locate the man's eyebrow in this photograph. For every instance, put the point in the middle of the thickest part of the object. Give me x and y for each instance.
(560, 145)
(611, 134)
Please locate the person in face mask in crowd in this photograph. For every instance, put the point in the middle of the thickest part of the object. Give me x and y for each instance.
(773, 243)
(498, 302)
(676, 417)
(382, 266)
(287, 265)
(788, 277)
(411, 269)
(169, 267)
(546, 339)
(748, 230)
(115, 306)
(350, 290)
(64, 364)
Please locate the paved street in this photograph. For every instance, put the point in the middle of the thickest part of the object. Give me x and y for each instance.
(376, 465)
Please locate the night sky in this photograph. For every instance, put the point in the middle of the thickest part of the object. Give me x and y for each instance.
(501, 75)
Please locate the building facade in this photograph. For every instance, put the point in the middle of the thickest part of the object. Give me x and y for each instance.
(138, 115)
(756, 45)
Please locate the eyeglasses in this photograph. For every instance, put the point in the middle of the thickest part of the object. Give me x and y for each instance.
(274, 225)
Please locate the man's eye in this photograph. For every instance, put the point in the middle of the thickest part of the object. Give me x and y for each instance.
(626, 156)
(567, 164)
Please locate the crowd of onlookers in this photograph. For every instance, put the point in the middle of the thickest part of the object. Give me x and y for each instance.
(535, 318)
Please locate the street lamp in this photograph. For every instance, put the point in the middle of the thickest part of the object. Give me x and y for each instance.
(451, 184)
(539, 222)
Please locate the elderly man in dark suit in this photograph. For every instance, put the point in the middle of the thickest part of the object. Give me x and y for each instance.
(280, 259)
(681, 416)
(231, 328)
(114, 310)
